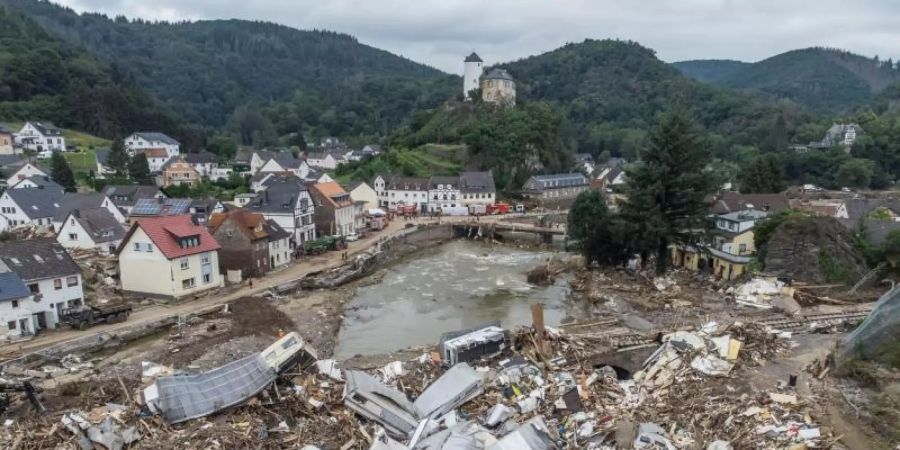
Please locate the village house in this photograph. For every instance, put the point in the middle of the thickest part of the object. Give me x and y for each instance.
(498, 87)
(396, 191)
(145, 140)
(91, 229)
(729, 250)
(26, 170)
(609, 178)
(40, 136)
(242, 200)
(250, 243)
(326, 160)
(168, 257)
(124, 197)
(360, 191)
(730, 201)
(157, 158)
(556, 186)
(38, 279)
(7, 141)
(177, 172)
(200, 209)
(30, 207)
(443, 192)
(334, 213)
(477, 188)
(37, 182)
(287, 201)
(88, 200)
(370, 151)
(285, 163)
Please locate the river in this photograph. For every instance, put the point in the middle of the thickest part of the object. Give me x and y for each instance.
(454, 286)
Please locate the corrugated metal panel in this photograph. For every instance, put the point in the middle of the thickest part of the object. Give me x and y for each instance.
(187, 397)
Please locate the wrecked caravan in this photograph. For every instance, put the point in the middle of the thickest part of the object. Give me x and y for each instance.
(455, 387)
(379, 403)
(472, 344)
(185, 397)
(531, 435)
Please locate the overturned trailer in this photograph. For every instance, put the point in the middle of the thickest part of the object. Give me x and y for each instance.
(472, 344)
(185, 397)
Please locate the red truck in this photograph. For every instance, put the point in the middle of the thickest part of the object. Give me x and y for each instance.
(498, 208)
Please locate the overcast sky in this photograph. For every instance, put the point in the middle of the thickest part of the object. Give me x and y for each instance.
(441, 32)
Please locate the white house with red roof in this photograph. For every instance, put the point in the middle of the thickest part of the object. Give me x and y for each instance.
(168, 257)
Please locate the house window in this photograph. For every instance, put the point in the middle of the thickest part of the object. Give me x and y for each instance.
(11, 324)
(187, 283)
(207, 278)
(137, 246)
(184, 264)
(204, 260)
(72, 281)
(57, 284)
(34, 288)
(73, 236)
(15, 303)
(742, 248)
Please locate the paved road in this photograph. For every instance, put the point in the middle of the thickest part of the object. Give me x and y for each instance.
(297, 270)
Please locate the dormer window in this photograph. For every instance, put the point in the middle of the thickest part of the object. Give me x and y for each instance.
(189, 242)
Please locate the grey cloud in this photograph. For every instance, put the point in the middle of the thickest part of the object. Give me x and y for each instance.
(441, 32)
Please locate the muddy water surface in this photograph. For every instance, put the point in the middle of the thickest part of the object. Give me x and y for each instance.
(454, 286)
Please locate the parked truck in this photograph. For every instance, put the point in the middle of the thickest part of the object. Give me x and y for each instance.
(85, 316)
(324, 244)
(478, 210)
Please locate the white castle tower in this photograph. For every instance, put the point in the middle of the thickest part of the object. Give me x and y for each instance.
(474, 66)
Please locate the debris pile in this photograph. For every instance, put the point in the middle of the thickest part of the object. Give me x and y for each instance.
(518, 389)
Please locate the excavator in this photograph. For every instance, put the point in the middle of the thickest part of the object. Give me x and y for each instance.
(7, 388)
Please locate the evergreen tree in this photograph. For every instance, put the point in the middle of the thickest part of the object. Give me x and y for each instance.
(61, 172)
(139, 169)
(765, 175)
(599, 233)
(118, 159)
(666, 188)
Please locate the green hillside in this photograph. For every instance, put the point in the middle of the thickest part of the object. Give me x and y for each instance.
(710, 70)
(45, 78)
(205, 71)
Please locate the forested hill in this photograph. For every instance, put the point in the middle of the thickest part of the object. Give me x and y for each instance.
(205, 70)
(45, 78)
(827, 80)
(612, 91)
(710, 70)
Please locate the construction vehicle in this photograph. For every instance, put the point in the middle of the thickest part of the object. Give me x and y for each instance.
(7, 387)
(85, 316)
(323, 244)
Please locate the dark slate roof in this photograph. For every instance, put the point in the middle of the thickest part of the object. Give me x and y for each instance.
(37, 203)
(275, 231)
(46, 128)
(287, 160)
(5, 130)
(498, 74)
(476, 182)
(434, 181)
(76, 201)
(473, 58)
(243, 155)
(279, 197)
(43, 182)
(12, 160)
(407, 184)
(858, 208)
(11, 286)
(199, 158)
(730, 201)
(127, 195)
(156, 136)
(100, 224)
(102, 155)
(37, 259)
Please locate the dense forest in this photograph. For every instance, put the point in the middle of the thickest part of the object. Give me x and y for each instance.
(203, 72)
(826, 80)
(44, 77)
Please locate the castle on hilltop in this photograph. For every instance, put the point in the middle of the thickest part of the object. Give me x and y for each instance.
(497, 86)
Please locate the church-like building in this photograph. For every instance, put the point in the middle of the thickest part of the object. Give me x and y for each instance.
(497, 86)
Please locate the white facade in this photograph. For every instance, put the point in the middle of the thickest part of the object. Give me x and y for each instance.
(30, 137)
(279, 253)
(106, 204)
(326, 162)
(137, 142)
(7, 143)
(272, 166)
(42, 309)
(16, 217)
(156, 162)
(476, 198)
(72, 235)
(143, 268)
(364, 193)
(442, 196)
(472, 75)
(219, 173)
(27, 171)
